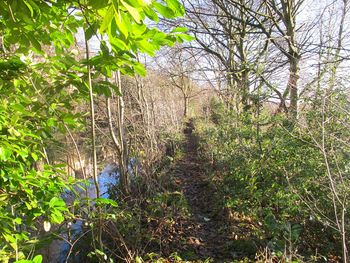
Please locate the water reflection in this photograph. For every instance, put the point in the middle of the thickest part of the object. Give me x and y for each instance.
(58, 250)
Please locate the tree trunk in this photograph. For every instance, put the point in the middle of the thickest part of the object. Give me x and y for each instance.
(123, 156)
(293, 86)
(185, 106)
(92, 116)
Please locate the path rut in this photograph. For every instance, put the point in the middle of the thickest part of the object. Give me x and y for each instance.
(209, 238)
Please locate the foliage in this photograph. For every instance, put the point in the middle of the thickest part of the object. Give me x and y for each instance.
(274, 174)
(28, 192)
(128, 225)
(41, 78)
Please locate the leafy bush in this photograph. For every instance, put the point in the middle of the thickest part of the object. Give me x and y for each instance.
(29, 190)
(274, 174)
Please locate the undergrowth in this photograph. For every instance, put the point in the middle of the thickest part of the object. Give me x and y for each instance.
(272, 174)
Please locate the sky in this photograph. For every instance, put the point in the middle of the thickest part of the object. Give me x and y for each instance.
(329, 11)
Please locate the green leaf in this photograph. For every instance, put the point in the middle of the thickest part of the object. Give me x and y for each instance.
(98, 4)
(103, 88)
(134, 12)
(122, 21)
(136, 3)
(35, 43)
(91, 31)
(105, 201)
(29, 7)
(51, 122)
(164, 10)
(151, 14)
(140, 69)
(57, 217)
(147, 47)
(138, 30)
(10, 239)
(14, 132)
(38, 259)
(17, 221)
(179, 30)
(20, 108)
(122, 24)
(56, 202)
(176, 7)
(34, 156)
(107, 19)
(117, 44)
(185, 37)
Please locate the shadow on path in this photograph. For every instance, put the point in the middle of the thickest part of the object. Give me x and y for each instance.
(208, 237)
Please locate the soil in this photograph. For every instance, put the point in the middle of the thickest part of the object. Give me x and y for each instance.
(209, 232)
(209, 238)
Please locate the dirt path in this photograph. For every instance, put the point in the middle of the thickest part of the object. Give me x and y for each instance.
(208, 237)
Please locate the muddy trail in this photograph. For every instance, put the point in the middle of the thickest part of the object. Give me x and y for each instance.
(206, 233)
(208, 239)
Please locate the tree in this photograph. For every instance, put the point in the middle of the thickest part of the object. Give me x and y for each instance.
(179, 65)
(37, 67)
(253, 41)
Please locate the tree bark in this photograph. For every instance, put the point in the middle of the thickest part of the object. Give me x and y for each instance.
(185, 106)
(123, 156)
(92, 116)
(293, 86)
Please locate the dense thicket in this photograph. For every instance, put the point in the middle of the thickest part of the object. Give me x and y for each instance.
(50, 78)
(278, 130)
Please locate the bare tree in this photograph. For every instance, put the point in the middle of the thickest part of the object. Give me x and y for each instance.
(179, 65)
